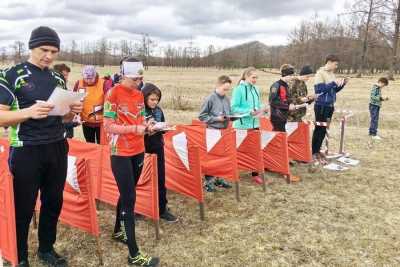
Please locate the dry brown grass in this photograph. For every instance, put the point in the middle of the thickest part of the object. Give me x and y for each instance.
(328, 219)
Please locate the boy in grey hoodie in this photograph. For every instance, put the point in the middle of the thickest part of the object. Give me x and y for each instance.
(214, 112)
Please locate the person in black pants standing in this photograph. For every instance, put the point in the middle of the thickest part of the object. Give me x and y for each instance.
(125, 127)
(326, 86)
(38, 153)
(154, 144)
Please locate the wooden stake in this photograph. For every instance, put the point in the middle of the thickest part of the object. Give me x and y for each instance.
(342, 126)
(237, 191)
(264, 182)
(99, 251)
(157, 229)
(202, 212)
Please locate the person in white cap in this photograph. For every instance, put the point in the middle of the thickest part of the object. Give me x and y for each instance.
(125, 126)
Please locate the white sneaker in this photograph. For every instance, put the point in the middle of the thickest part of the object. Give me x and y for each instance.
(376, 137)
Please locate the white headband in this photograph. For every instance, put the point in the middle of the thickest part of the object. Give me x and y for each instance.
(132, 69)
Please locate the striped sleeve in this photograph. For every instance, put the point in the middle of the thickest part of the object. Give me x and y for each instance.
(7, 96)
(60, 80)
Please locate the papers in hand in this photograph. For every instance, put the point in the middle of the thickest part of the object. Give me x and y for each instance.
(260, 113)
(236, 116)
(62, 100)
(162, 126)
(301, 106)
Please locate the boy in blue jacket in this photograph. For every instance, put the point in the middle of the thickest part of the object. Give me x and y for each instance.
(326, 87)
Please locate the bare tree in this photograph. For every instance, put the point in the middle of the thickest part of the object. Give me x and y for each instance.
(367, 12)
(145, 49)
(74, 53)
(365, 41)
(3, 54)
(395, 41)
(19, 50)
(103, 51)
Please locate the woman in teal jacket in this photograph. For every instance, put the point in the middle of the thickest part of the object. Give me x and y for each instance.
(246, 99)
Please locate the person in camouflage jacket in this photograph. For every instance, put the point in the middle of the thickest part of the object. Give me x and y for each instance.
(298, 94)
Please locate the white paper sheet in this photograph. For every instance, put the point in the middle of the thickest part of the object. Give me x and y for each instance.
(62, 99)
(335, 167)
(348, 161)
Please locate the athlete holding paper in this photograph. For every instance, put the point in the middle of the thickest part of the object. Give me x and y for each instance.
(38, 153)
(125, 126)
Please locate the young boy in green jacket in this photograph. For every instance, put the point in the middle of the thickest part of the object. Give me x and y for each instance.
(375, 106)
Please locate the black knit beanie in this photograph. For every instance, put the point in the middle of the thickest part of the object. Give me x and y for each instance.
(287, 71)
(44, 36)
(306, 70)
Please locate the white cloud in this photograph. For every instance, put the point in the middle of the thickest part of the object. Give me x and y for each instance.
(220, 22)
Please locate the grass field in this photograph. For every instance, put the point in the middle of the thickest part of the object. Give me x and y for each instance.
(328, 219)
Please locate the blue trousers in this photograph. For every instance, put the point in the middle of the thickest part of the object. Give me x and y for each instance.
(374, 112)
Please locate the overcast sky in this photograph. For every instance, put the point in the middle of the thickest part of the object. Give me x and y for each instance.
(219, 22)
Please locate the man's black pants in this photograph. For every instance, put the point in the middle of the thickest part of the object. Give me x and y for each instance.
(34, 168)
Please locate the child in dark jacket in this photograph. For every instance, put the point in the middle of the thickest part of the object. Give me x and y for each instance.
(154, 144)
(279, 99)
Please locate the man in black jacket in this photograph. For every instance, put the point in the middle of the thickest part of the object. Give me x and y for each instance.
(38, 148)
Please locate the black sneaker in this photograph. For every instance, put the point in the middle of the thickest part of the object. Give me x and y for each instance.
(169, 217)
(52, 259)
(120, 237)
(222, 183)
(23, 263)
(143, 260)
